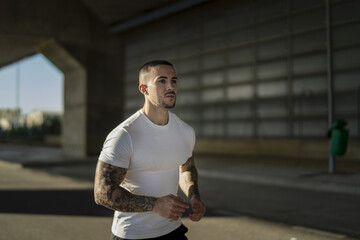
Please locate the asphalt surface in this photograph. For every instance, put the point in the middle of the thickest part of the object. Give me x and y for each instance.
(44, 196)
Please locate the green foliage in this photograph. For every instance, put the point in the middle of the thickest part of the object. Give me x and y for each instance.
(51, 126)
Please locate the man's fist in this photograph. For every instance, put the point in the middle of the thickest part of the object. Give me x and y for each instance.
(198, 209)
(170, 206)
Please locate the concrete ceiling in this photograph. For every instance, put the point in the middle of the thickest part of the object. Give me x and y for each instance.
(118, 15)
(113, 12)
(122, 15)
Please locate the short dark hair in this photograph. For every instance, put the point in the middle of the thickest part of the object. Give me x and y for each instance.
(154, 63)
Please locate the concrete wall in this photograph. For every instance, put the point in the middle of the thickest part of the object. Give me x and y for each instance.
(72, 38)
(253, 75)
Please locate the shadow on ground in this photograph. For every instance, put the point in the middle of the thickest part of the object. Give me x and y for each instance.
(58, 202)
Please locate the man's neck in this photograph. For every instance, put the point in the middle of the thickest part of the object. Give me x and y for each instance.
(157, 115)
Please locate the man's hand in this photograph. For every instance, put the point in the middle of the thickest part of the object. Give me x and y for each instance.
(170, 206)
(198, 209)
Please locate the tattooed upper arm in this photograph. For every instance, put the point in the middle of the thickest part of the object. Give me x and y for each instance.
(109, 193)
(107, 179)
(109, 174)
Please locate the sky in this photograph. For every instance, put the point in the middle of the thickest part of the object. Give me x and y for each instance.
(41, 85)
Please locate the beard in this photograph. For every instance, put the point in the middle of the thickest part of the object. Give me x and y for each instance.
(161, 103)
(168, 106)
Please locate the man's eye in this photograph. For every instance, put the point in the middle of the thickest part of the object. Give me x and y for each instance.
(161, 81)
(174, 81)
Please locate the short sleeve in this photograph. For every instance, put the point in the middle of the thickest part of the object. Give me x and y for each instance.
(117, 149)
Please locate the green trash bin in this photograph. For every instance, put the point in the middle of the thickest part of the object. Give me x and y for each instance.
(339, 138)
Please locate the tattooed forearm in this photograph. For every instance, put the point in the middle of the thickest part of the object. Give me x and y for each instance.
(189, 179)
(107, 191)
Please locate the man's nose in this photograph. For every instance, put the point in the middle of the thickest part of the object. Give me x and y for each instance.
(171, 86)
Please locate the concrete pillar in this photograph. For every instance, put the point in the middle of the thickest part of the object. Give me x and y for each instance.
(74, 119)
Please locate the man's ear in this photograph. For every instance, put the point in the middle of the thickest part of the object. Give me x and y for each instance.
(143, 89)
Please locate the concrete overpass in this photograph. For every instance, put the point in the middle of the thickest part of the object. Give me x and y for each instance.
(81, 46)
(254, 72)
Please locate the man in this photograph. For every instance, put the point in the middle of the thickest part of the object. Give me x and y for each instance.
(137, 174)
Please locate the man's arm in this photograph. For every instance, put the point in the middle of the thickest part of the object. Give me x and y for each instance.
(189, 179)
(108, 193)
(189, 185)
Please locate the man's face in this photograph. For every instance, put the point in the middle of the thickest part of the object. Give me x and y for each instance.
(161, 86)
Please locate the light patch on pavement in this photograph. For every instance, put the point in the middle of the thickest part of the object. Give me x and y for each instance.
(43, 227)
(13, 176)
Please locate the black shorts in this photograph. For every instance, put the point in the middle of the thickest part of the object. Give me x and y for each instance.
(177, 234)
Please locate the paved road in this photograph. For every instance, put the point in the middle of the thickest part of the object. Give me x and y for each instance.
(335, 212)
(244, 202)
(284, 199)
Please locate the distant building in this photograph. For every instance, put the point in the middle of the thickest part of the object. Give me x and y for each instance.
(37, 118)
(5, 124)
(34, 119)
(10, 118)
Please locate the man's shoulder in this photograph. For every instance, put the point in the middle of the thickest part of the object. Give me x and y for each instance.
(130, 120)
(185, 130)
(126, 125)
(181, 122)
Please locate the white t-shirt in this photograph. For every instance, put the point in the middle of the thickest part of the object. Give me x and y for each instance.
(152, 154)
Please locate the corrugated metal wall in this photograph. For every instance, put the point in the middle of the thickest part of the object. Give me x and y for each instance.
(255, 69)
